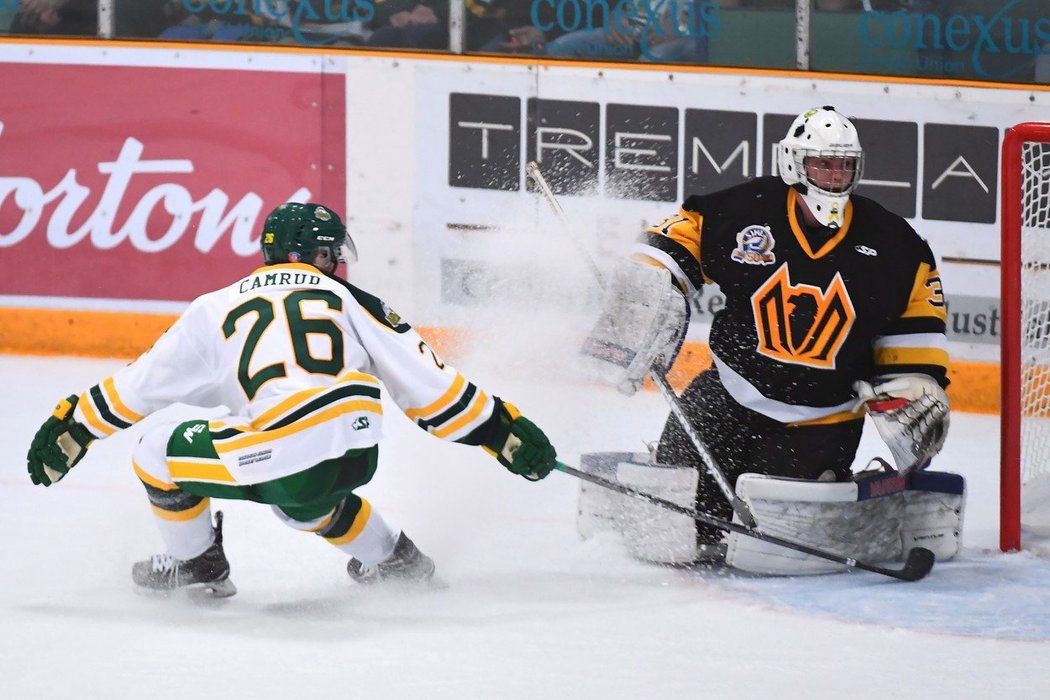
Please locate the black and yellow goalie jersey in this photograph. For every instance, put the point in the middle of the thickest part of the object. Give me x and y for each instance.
(806, 314)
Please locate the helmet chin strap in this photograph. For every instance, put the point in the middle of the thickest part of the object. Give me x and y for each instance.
(815, 209)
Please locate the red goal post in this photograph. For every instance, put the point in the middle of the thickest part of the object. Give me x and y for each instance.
(1025, 344)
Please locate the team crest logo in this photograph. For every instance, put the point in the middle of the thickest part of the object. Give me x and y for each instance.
(268, 238)
(802, 324)
(391, 316)
(755, 246)
(191, 431)
(322, 214)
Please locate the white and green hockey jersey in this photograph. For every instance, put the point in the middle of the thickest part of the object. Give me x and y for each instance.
(298, 358)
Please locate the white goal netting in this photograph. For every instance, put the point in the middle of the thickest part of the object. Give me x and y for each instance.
(1035, 337)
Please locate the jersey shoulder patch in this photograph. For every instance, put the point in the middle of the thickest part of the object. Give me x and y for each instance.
(377, 308)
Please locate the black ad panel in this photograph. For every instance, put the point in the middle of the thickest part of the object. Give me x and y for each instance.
(564, 138)
(891, 163)
(641, 152)
(720, 149)
(960, 173)
(484, 141)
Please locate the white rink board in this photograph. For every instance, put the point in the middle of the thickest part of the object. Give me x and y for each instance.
(402, 203)
(411, 198)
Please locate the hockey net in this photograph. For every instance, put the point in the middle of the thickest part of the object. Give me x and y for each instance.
(1025, 348)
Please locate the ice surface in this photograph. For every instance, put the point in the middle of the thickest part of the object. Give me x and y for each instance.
(531, 611)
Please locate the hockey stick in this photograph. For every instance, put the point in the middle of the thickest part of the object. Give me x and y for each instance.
(655, 370)
(919, 561)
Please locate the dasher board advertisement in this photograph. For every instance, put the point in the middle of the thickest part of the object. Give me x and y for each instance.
(147, 176)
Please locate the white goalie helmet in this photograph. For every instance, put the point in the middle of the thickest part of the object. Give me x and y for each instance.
(822, 158)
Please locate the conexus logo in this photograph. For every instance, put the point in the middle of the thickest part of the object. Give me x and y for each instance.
(1018, 28)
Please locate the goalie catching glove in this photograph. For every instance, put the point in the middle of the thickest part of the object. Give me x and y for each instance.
(519, 445)
(910, 411)
(644, 317)
(58, 445)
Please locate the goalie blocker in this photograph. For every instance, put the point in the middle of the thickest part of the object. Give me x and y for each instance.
(878, 516)
(644, 317)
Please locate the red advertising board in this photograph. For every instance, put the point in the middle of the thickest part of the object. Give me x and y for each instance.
(128, 182)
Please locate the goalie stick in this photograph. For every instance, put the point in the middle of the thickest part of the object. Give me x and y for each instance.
(710, 463)
(918, 563)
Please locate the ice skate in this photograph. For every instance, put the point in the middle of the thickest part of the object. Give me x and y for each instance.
(209, 572)
(405, 564)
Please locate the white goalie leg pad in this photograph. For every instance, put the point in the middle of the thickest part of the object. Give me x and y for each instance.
(649, 532)
(644, 315)
(653, 533)
(826, 515)
(934, 506)
(598, 509)
(877, 518)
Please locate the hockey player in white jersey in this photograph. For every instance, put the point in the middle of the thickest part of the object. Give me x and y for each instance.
(298, 356)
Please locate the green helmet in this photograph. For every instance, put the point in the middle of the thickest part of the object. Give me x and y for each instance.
(296, 232)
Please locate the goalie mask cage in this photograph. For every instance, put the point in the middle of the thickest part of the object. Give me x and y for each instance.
(1025, 345)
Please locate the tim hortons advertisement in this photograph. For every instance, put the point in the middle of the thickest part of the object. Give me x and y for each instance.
(151, 183)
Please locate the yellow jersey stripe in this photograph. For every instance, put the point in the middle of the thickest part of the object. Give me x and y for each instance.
(151, 480)
(685, 229)
(322, 522)
(469, 417)
(115, 402)
(912, 356)
(442, 403)
(92, 416)
(182, 515)
(296, 400)
(360, 520)
(840, 417)
(256, 437)
(185, 470)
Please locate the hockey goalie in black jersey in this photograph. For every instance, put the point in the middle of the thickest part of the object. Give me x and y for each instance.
(299, 357)
(834, 308)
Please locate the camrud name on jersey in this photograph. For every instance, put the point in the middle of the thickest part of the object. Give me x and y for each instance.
(635, 151)
(216, 214)
(278, 279)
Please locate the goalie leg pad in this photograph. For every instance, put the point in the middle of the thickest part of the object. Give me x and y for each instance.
(826, 515)
(598, 509)
(652, 533)
(649, 532)
(875, 518)
(934, 505)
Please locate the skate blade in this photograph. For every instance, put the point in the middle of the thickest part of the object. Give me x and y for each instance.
(437, 583)
(214, 589)
(196, 592)
(434, 583)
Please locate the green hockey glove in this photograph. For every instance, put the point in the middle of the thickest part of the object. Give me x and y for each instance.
(520, 446)
(58, 445)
